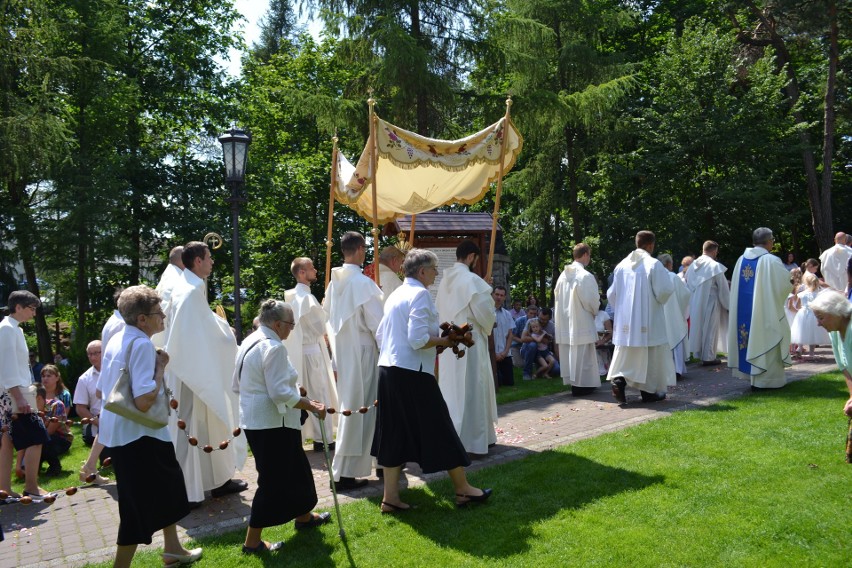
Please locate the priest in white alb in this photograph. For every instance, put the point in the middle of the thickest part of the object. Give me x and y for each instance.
(390, 263)
(676, 309)
(354, 305)
(577, 301)
(642, 358)
(308, 352)
(202, 349)
(168, 280)
(758, 332)
(833, 263)
(467, 384)
(709, 306)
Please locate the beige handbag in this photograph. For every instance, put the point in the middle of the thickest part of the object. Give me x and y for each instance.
(29, 393)
(120, 401)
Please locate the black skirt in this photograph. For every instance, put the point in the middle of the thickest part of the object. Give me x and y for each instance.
(285, 482)
(413, 423)
(151, 490)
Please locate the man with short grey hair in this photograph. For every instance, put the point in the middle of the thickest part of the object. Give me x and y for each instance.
(390, 263)
(758, 333)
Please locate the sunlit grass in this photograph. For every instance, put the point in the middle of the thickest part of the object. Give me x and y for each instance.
(757, 481)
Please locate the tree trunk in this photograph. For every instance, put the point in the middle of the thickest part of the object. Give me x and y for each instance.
(24, 235)
(829, 116)
(819, 200)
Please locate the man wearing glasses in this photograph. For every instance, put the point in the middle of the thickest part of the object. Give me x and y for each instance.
(27, 431)
(758, 333)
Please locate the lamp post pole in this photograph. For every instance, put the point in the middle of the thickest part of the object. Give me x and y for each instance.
(235, 152)
(236, 200)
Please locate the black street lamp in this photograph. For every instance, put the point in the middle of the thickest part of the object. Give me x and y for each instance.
(235, 145)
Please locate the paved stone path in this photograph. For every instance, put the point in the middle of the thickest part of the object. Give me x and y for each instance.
(82, 528)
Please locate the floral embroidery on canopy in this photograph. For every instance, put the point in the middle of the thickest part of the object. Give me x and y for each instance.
(418, 174)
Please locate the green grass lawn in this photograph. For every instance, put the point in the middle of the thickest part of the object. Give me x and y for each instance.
(71, 464)
(758, 481)
(529, 389)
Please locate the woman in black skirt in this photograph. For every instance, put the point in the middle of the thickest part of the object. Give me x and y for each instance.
(270, 405)
(151, 490)
(413, 423)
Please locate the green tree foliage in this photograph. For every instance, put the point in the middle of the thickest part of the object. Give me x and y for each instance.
(797, 31)
(291, 104)
(34, 132)
(711, 144)
(568, 83)
(412, 52)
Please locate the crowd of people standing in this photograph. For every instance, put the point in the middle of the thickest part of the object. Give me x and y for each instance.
(404, 391)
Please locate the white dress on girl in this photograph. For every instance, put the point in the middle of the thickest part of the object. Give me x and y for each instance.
(805, 330)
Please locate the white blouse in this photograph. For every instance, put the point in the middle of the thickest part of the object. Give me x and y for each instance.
(266, 384)
(410, 319)
(115, 430)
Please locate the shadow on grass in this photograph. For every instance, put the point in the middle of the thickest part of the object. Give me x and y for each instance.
(526, 493)
(715, 408)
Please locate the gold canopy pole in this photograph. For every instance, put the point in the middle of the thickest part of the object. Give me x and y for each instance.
(411, 232)
(499, 191)
(331, 209)
(374, 159)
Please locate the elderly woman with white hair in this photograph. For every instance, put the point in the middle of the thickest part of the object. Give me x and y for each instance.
(413, 423)
(834, 312)
(270, 404)
(142, 456)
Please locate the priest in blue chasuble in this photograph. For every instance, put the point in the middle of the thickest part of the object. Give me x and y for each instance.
(758, 332)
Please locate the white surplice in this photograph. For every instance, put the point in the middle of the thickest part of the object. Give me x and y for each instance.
(202, 348)
(676, 309)
(467, 384)
(309, 355)
(708, 308)
(576, 303)
(168, 280)
(768, 341)
(833, 266)
(354, 305)
(389, 281)
(640, 288)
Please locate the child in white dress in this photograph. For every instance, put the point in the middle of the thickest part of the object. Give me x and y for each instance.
(805, 330)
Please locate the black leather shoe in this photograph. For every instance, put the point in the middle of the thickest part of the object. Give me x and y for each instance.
(350, 483)
(581, 391)
(230, 486)
(317, 519)
(652, 396)
(318, 447)
(262, 547)
(619, 384)
(486, 493)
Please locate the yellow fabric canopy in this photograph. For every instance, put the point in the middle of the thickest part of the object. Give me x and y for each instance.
(417, 174)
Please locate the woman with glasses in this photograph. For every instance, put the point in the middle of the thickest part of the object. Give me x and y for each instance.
(413, 423)
(151, 490)
(270, 404)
